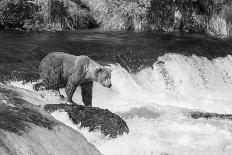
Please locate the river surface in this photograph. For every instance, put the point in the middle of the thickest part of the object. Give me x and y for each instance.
(158, 80)
(22, 51)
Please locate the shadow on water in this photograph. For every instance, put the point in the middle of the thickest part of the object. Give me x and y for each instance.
(21, 52)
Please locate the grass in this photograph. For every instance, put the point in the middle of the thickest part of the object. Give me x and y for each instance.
(45, 15)
(119, 14)
(205, 16)
(226, 14)
(158, 15)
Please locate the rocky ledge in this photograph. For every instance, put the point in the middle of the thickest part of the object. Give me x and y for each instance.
(27, 129)
(92, 117)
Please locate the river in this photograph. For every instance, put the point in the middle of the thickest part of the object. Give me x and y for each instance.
(158, 79)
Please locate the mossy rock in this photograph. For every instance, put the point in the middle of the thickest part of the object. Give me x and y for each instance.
(94, 118)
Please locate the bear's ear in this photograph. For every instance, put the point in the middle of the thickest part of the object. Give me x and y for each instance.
(111, 69)
(98, 69)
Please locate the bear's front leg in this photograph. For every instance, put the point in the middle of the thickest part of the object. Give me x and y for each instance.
(86, 93)
(70, 89)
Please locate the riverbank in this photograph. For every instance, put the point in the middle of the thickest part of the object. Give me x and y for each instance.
(213, 17)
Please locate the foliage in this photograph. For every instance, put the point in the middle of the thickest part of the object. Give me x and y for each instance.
(45, 15)
(205, 16)
(119, 14)
(15, 15)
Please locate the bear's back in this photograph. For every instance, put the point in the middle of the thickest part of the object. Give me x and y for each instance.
(69, 63)
(58, 58)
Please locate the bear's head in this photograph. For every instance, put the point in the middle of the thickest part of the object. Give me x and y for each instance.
(103, 76)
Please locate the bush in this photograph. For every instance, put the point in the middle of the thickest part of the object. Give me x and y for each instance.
(158, 15)
(15, 15)
(119, 14)
(58, 12)
(226, 14)
(213, 16)
(45, 15)
(155, 15)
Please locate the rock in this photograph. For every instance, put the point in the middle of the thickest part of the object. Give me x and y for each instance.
(93, 117)
(196, 115)
(27, 129)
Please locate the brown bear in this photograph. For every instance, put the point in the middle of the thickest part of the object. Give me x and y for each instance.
(62, 70)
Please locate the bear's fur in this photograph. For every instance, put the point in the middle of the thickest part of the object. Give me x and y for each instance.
(62, 70)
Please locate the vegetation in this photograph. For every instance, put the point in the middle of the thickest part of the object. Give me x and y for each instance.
(120, 14)
(206, 16)
(44, 15)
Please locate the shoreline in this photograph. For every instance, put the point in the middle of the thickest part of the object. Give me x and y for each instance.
(212, 18)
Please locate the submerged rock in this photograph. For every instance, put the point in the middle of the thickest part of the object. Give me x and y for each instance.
(27, 129)
(93, 117)
(196, 115)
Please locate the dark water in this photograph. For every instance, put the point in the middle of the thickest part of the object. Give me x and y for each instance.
(21, 52)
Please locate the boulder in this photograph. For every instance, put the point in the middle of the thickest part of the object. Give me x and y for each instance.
(27, 129)
(92, 117)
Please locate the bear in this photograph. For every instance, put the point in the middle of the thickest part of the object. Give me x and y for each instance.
(62, 70)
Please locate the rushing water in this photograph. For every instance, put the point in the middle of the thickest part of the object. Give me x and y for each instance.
(158, 79)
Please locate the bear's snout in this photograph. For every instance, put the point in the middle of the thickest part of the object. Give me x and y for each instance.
(110, 85)
(107, 85)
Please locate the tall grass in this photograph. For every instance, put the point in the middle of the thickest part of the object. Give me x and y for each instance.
(158, 15)
(226, 14)
(45, 15)
(14, 13)
(205, 16)
(119, 14)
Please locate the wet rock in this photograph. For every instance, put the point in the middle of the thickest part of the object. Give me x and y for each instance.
(17, 114)
(93, 117)
(27, 129)
(196, 115)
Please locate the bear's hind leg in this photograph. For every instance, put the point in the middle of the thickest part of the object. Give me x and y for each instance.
(86, 93)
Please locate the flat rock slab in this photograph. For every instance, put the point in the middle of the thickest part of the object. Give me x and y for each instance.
(16, 114)
(93, 118)
(196, 115)
(27, 129)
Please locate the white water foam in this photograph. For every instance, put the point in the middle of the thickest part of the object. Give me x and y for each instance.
(155, 103)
